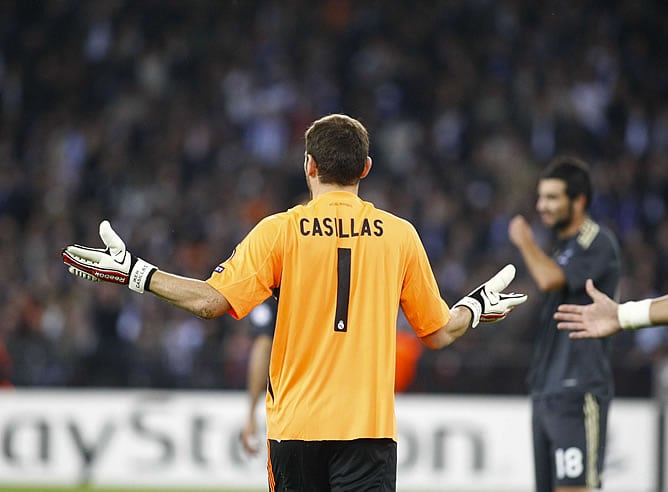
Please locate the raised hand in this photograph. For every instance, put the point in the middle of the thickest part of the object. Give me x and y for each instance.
(113, 263)
(487, 303)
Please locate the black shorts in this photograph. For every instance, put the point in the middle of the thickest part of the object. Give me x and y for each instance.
(569, 433)
(359, 465)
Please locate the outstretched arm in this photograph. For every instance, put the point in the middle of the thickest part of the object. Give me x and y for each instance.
(115, 264)
(460, 321)
(658, 311)
(190, 294)
(604, 317)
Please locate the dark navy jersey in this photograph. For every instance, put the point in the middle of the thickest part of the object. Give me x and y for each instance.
(263, 318)
(559, 363)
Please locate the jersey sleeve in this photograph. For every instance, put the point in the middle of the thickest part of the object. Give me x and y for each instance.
(421, 300)
(248, 276)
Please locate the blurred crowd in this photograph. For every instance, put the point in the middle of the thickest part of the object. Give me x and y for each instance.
(182, 123)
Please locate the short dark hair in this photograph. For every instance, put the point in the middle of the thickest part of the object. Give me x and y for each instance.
(574, 172)
(340, 146)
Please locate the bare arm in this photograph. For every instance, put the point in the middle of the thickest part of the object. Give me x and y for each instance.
(190, 294)
(658, 311)
(459, 322)
(115, 264)
(547, 274)
(258, 368)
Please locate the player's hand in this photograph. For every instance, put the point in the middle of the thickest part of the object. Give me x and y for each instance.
(519, 231)
(487, 303)
(249, 439)
(113, 263)
(596, 320)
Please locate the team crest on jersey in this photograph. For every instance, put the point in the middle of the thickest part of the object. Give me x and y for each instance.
(565, 257)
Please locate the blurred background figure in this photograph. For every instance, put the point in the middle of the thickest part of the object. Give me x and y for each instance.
(262, 320)
(5, 368)
(409, 350)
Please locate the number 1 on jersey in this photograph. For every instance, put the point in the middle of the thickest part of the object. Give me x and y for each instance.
(342, 289)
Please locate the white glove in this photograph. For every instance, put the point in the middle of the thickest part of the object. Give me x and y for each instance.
(487, 303)
(112, 264)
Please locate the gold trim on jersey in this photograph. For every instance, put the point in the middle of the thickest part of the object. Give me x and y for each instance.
(591, 412)
(588, 233)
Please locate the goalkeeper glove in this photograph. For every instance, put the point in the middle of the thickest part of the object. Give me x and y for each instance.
(111, 264)
(487, 303)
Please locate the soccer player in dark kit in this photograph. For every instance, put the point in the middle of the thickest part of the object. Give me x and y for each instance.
(570, 381)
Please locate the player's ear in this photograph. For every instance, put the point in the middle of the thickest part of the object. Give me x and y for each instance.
(310, 166)
(367, 167)
(580, 202)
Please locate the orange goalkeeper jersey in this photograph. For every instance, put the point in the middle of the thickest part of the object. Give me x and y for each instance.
(343, 268)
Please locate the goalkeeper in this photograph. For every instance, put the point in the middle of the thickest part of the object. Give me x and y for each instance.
(343, 268)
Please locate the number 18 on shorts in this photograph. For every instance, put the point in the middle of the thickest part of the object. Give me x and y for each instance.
(569, 434)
